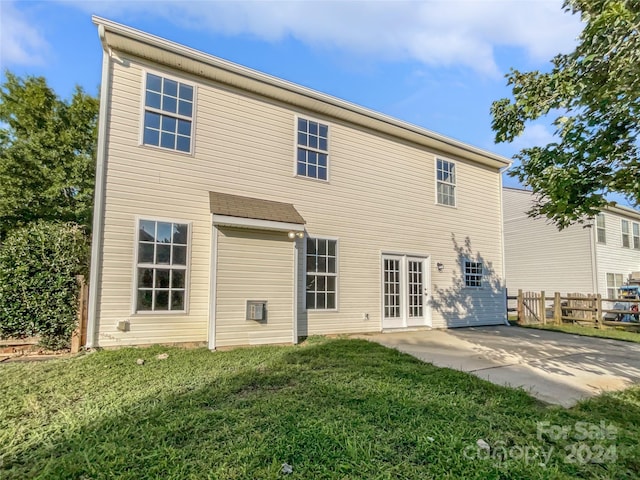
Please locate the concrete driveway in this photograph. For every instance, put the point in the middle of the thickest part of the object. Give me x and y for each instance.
(557, 368)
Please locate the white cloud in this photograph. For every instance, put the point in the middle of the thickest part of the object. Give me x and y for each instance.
(20, 42)
(435, 32)
(536, 134)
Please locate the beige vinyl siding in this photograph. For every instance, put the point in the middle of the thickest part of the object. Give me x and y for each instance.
(254, 265)
(538, 256)
(380, 198)
(612, 257)
(117, 292)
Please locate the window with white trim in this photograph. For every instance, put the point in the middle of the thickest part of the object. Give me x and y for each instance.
(168, 113)
(600, 227)
(313, 149)
(162, 266)
(322, 259)
(446, 182)
(636, 236)
(625, 233)
(472, 274)
(614, 282)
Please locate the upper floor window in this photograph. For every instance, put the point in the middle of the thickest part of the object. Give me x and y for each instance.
(636, 236)
(472, 274)
(313, 149)
(600, 227)
(162, 266)
(446, 182)
(625, 234)
(322, 268)
(168, 113)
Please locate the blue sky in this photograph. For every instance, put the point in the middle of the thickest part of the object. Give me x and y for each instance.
(437, 63)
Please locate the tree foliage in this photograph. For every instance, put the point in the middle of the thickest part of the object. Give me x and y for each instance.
(47, 154)
(38, 288)
(594, 95)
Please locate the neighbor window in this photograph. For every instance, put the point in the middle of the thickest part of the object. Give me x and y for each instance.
(472, 274)
(168, 113)
(446, 182)
(636, 236)
(322, 258)
(614, 281)
(162, 266)
(600, 226)
(625, 233)
(313, 149)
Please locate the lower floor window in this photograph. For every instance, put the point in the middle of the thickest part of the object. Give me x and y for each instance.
(162, 266)
(614, 282)
(160, 289)
(472, 274)
(322, 258)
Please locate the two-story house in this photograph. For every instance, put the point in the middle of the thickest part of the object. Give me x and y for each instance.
(597, 257)
(237, 208)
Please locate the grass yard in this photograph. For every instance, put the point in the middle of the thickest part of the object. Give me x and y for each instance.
(611, 333)
(329, 408)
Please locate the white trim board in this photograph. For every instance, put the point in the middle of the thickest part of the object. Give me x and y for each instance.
(229, 221)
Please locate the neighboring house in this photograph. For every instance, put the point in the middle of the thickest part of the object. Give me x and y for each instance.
(236, 208)
(597, 257)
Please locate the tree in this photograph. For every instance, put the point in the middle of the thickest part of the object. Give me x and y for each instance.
(594, 95)
(38, 286)
(47, 154)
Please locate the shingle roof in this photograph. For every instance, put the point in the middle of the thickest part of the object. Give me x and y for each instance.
(256, 208)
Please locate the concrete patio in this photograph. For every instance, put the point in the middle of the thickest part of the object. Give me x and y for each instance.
(557, 368)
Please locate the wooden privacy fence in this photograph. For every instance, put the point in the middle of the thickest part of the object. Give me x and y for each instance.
(591, 309)
(79, 336)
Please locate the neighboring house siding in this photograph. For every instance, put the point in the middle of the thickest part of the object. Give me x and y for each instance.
(380, 198)
(612, 257)
(253, 265)
(539, 257)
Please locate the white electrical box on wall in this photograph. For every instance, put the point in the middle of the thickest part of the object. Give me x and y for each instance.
(257, 310)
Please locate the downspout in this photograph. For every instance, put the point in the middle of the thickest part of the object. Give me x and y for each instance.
(504, 271)
(213, 286)
(594, 255)
(98, 203)
(295, 290)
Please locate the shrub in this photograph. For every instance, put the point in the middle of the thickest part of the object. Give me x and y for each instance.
(38, 285)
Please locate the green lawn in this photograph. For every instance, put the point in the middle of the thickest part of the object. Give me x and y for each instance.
(329, 408)
(614, 334)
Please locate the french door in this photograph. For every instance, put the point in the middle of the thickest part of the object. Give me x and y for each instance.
(404, 291)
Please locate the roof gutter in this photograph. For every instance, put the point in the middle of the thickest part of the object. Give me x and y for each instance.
(264, 82)
(624, 211)
(98, 203)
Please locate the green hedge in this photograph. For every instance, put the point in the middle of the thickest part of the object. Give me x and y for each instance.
(38, 286)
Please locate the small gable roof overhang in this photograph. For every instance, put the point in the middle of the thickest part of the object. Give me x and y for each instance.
(246, 212)
(120, 38)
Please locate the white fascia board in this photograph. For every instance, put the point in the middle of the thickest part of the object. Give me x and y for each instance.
(229, 221)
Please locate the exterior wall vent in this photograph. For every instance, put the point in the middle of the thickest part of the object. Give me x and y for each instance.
(257, 310)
